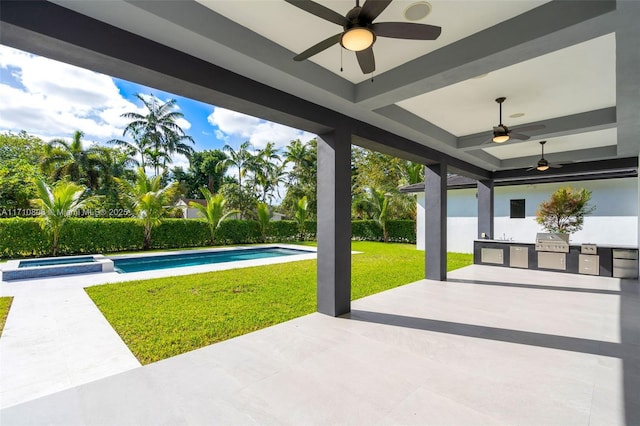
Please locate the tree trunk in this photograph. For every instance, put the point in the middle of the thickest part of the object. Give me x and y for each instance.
(147, 238)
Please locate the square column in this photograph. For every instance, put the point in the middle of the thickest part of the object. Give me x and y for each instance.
(435, 194)
(485, 208)
(334, 223)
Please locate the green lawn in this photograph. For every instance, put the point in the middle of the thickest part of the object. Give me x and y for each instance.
(164, 317)
(5, 304)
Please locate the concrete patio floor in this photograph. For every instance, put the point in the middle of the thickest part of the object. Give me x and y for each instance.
(490, 346)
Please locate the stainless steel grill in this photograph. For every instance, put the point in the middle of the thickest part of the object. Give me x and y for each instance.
(558, 243)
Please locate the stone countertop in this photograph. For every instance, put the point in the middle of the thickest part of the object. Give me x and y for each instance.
(612, 246)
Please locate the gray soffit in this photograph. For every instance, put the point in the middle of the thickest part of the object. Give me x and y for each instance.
(433, 105)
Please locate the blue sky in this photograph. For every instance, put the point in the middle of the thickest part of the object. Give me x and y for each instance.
(50, 99)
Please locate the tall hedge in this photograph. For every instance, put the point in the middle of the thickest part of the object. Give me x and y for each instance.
(100, 235)
(22, 237)
(25, 237)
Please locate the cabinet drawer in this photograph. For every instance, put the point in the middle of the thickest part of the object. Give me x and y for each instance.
(550, 260)
(519, 257)
(492, 255)
(589, 264)
(625, 254)
(625, 268)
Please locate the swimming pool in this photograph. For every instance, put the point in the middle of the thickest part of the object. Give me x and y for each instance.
(166, 261)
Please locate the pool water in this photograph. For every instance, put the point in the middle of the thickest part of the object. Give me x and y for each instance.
(167, 261)
(51, 262)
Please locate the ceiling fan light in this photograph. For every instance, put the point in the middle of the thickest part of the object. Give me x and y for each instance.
(500, 138)
(542, 168)
(357, 39)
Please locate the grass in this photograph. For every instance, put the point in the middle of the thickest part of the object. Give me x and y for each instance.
(163, 317)
(5, 304)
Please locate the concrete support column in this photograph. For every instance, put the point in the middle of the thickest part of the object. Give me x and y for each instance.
(485, 208)
(435, 193)
(334, 223)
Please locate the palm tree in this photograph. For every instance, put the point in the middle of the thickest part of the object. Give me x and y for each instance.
(267, 173)
(298, 154)
(264, 217)
(379, 201)
(71, 159)
(213, 212)
(412, 172)
(113, 163)
(139, 146)
(157, 159)
(240, 159)
(148, 199)
(57, 205)
(157, 130)
(302, 206)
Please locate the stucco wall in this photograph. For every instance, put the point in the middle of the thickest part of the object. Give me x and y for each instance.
(615, 220)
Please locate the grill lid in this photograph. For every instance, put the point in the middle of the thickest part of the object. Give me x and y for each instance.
(552, 242)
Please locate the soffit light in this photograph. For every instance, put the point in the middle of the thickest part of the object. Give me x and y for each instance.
(357, 39)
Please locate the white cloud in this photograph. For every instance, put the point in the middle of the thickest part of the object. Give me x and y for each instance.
(258, 132)
(50, 98)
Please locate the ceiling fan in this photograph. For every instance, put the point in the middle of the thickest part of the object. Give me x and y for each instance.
(543, 164)
(359, 32)
(502, 133)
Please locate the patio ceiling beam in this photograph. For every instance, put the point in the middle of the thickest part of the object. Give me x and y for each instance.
(571, 124)
(573, 170)
(592, 154)
(545, 29)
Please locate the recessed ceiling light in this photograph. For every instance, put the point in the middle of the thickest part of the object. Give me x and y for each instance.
(417, 11)
(517, 114)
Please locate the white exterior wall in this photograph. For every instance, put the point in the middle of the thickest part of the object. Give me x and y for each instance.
(615, 220)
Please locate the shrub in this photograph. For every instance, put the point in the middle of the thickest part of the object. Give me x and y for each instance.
(564, 213)
(399, 231)
(238, 232)
(101, 235)
(366, 230)
(20, 237)
(402, 231)
(174, 233)
(283, 230)
(24, 237)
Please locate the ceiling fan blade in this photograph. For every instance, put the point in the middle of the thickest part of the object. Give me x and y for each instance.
(320, 11)
(519, 136)
(406, 30)
(317, 48)
(529, 128)
(530, 168)
(372, 8)
(555, 166)
(366, 60)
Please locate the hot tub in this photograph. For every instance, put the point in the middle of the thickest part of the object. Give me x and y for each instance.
(55, 266)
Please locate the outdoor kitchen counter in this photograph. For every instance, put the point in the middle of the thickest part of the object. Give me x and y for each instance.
(523, 255)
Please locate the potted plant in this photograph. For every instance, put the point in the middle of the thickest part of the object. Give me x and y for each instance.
(564, 213)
